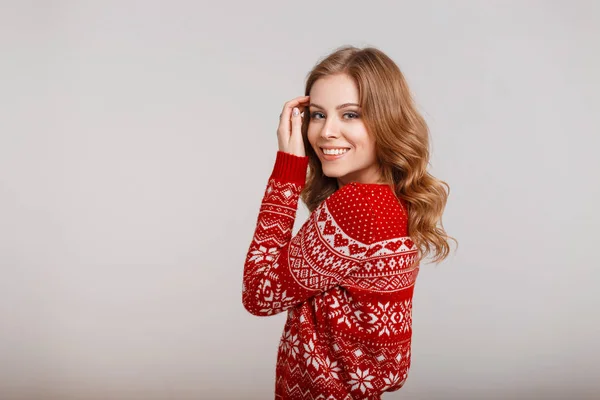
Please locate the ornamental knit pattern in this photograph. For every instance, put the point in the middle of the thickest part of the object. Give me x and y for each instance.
(346, 280)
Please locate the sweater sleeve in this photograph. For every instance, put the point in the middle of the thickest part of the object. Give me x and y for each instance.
(281, 271)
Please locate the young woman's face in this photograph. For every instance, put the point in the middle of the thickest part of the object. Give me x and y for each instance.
(336, 123)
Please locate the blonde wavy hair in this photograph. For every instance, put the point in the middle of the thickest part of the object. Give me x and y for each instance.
(402, 144)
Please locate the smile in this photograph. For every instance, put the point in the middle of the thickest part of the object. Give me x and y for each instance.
(333, 154)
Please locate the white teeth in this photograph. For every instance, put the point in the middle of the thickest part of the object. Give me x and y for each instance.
(334, 151)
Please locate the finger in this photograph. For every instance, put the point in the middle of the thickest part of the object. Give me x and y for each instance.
(301, 114)
(285, 116)
(288, 106)
(296, 122)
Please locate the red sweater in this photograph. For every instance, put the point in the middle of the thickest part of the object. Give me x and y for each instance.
(345, 279)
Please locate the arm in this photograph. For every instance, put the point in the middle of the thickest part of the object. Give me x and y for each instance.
(280, 271)
(268, 287)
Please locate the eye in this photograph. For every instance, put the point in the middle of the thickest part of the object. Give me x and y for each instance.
(349, 115)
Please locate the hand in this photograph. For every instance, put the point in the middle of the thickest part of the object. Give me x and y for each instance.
(289, 134)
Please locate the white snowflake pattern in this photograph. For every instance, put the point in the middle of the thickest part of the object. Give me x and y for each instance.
(263, 253)
(361, 380)
(310, 354)
(391, 380)
(332, 367)
(290, 343)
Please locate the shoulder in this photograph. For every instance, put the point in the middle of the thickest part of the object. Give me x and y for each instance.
(356, 216)
(352, 198)
(351, 210)
(368, 212)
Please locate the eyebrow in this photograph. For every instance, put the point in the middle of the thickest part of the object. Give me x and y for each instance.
(337, 108)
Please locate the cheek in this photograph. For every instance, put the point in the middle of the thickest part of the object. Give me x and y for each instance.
(370, 147)
(311, 134)
(358, 138)
(370, 143)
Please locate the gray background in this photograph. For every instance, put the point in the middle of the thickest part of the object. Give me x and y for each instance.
(136, 140)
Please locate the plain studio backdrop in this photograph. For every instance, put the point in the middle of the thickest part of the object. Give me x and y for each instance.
(137, 138)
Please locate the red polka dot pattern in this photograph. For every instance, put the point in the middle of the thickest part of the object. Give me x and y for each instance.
(370, 212)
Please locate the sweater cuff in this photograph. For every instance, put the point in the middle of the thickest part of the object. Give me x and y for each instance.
(289, 167)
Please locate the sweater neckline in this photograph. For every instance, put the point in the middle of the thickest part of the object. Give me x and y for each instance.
(369, 184)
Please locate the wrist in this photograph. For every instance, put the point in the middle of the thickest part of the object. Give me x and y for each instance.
(290, 167)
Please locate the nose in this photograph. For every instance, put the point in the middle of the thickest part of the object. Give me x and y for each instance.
(329, 129)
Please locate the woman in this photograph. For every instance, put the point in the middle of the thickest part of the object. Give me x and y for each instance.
(357, 156)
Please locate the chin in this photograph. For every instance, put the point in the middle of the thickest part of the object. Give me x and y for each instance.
(332, 173)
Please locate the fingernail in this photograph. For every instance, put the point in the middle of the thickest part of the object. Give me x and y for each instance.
(296, 111)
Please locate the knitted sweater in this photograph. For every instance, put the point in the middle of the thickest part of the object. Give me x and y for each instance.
(345, 279)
